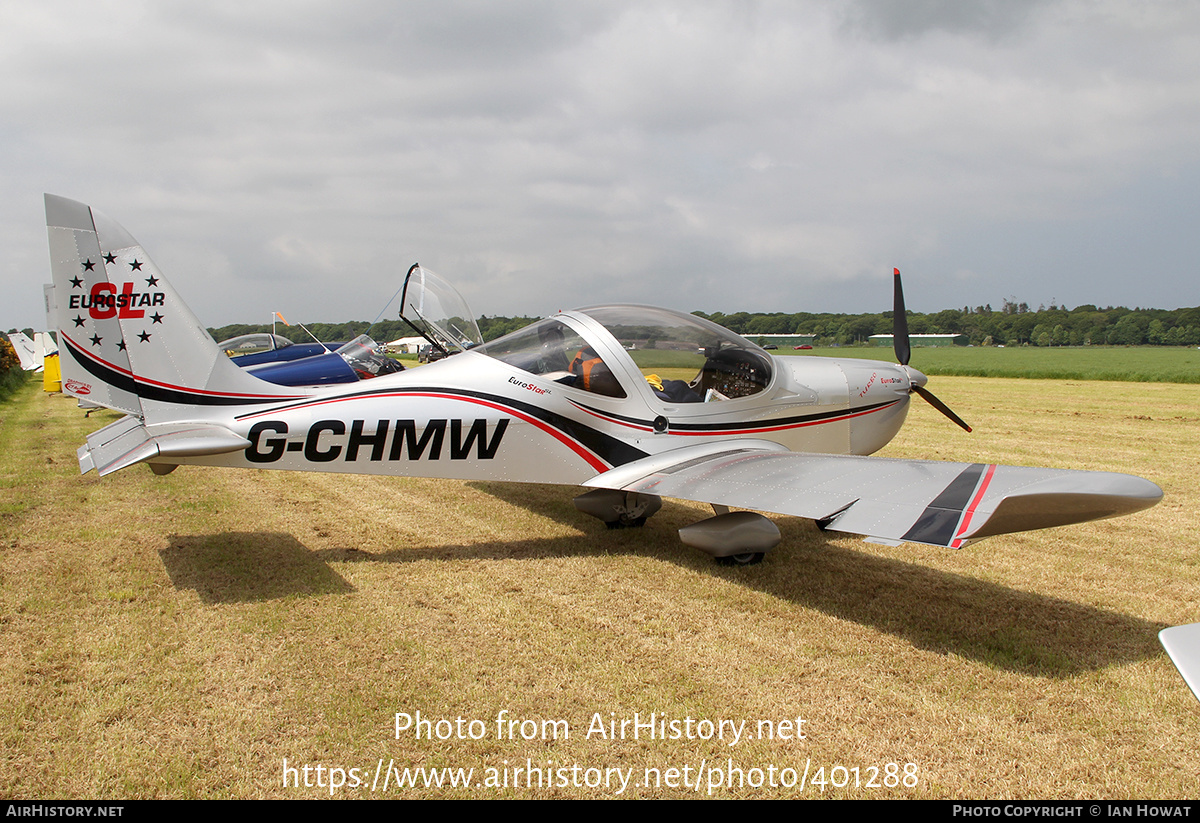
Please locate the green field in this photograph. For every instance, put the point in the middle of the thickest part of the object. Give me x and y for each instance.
(181, 636)
(1148, 364)
(1134, 364)
(1153, 364)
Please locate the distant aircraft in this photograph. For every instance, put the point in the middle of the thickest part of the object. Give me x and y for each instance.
(29, 355)
(33, 353)
(560, 401)
(278, 360)
(265, 347)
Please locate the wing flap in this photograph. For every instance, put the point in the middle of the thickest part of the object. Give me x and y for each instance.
(885, 499)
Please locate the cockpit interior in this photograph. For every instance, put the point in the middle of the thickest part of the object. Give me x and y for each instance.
(683, 358)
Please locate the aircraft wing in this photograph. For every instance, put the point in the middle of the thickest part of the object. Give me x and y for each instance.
(127, 442)
(887, 500)
(1183, 645)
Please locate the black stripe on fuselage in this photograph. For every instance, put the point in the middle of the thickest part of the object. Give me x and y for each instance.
(748, 427)
(613, 451)
(149, 391)
(941, 517)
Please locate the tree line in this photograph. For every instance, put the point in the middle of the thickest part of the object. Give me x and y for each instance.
(1013, 324)
(381, 332)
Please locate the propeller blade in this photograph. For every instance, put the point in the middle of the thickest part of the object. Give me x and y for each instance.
(939, 405)
(900, 324)
(903, 349)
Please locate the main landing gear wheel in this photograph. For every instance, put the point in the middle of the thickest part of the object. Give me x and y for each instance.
(747, 559)
(733, 538)
(618, 509)
(625, 522)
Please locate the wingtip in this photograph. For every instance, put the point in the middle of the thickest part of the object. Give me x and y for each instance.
(1066, 498)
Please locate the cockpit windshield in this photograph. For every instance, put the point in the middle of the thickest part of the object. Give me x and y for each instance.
(713, 362)
(253, 344)
(438, 312)
(362, 355)
(684, 358)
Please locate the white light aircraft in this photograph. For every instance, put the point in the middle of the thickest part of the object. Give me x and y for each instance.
(32, 353)
(561, 401)
(24, 348)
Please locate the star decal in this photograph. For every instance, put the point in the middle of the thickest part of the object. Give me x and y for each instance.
(110, 258)
(135, 265)
(121, 346)
(96, 340)
(79, 321)
(89, 265)
(76, 282)
(152, 280)
(156, 317)
(144, 337)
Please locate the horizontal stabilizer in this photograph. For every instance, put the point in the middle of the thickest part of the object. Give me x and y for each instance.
(127, 442)
(918, 501)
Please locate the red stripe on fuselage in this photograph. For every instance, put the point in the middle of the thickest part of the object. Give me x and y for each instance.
(737, 431)
(586, 454)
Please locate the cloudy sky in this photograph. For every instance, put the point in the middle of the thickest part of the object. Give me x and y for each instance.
(757, 156)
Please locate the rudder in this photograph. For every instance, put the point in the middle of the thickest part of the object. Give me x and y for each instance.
(128, 341)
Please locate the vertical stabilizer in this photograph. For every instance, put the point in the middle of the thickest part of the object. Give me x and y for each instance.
(27, 351)
(93, 355)
(127, 340)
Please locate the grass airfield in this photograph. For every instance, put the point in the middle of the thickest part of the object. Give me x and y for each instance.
(182, 636)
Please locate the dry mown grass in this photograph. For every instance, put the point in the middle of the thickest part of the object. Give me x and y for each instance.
(180, 636)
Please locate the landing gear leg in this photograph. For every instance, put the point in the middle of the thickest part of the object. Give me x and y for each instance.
(618, 509)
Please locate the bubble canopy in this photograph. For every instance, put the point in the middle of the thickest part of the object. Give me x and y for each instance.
(725, 365)
(648, 327)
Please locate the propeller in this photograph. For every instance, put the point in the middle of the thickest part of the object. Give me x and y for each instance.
(904, 352)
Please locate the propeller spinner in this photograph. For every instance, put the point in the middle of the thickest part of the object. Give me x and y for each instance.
(903, 350)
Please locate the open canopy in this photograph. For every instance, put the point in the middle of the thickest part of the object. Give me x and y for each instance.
(437, 312)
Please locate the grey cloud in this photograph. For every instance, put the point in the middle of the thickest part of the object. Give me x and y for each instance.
(715, 156)
(902, 19)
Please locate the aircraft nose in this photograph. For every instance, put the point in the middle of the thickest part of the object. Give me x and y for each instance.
(915, 377)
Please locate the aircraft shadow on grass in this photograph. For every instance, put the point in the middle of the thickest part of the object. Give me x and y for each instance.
(242, 567)
(933, 610)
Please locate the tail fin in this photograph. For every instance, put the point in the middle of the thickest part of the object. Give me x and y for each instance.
(127, 340)
(29, 355)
